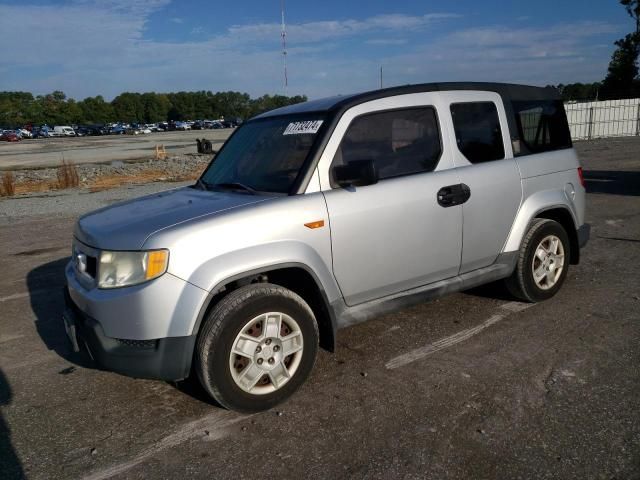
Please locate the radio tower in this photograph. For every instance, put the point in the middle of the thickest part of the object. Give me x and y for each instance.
(283, 34)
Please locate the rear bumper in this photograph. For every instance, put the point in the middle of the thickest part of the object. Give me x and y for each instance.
(164, 359)
(584, 232)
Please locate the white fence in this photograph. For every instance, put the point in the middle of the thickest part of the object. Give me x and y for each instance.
(610, 118)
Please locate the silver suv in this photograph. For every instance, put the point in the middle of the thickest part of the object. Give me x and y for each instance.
(319, 215)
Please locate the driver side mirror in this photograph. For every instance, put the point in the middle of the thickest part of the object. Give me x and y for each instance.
(357, 173)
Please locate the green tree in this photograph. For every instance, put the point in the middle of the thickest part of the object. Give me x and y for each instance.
(233, 104)
(20, 108)
(128, 107)
(580, 91)
(633, 9)
(156, 106)
(621, 80)
(95, 110)
(622, 76)
(270, 102)
(16, 108)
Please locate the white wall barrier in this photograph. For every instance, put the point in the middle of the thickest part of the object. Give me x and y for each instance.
(609, 118)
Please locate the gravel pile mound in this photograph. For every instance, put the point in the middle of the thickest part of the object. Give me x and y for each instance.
(174, 167)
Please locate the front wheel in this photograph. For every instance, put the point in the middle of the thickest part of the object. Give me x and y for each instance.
(256, 347)
(543, 262)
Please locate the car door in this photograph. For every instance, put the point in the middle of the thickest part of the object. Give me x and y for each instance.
(393, 235)
(484, 161)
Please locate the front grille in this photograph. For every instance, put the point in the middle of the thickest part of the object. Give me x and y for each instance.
(138, 343)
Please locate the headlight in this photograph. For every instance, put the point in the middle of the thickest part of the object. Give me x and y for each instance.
(122, 269)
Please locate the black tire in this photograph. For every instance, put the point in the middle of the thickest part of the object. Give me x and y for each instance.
(521, 283)
(224, 323)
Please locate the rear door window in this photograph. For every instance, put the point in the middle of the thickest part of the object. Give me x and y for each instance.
(400, 142)
(478, 133)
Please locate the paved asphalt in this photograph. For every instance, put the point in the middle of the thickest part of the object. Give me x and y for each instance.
(473, 385)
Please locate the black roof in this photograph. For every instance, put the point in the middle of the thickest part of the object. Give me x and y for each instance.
(333, 108)
(343, 102)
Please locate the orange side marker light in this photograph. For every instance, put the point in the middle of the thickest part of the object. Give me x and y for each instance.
(316, 224)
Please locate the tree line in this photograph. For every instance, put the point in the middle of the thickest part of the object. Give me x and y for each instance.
(622, 80)
(22, 108)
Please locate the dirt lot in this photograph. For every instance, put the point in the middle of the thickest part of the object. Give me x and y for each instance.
(49, 152)
(548, 391)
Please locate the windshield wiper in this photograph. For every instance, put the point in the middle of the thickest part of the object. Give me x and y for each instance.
(236, 185)
(201, 184)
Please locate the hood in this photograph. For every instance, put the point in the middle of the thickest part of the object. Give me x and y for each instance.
(126, 225)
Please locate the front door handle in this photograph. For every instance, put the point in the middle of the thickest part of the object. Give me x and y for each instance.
(452, 195)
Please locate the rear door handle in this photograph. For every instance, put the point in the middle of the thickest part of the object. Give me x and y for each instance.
(452, 195)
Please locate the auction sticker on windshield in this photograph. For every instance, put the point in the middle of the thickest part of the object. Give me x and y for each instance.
(299, 128)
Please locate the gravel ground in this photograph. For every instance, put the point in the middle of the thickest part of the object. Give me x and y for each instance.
(75, 201)
(172, 167)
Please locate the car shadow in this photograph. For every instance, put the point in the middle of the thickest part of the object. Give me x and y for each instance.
(613, 182)
(494, 290)
(10, 465)
(191, 387)
(45, 284)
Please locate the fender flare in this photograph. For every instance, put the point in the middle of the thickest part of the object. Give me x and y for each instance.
(533, 206)
(283, 255)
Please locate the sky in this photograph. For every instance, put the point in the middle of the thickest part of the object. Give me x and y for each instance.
(105, 47)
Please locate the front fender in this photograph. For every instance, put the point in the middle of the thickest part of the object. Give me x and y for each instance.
(535, 204)
(217, 271)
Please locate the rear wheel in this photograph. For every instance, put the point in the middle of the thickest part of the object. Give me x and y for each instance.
(256, 347)
(543, 262)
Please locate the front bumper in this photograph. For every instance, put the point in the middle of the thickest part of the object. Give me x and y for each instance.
(164, 358)
(165, 307)
(584, 232)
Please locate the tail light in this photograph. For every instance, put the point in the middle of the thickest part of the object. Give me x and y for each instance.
(581, 177)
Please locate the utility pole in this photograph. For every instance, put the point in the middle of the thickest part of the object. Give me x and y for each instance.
(283, 35)
(380, 76)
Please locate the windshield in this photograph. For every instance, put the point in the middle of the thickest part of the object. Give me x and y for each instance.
(265, 155)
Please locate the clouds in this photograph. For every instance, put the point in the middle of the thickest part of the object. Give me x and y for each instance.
(89, 47)
(311, 32)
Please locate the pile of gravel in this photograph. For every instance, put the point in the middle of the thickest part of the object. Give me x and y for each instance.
(174, 167)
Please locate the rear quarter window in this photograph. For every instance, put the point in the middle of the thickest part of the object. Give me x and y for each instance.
(542, 125)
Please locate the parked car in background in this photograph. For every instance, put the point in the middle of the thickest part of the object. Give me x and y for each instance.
(138, 130)
(90, 130)
(53, 133)
(41, 132)
(24, 133)
(199, 125)
(64, 131)
(182, 126)
(117, 130)
(9, 136)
